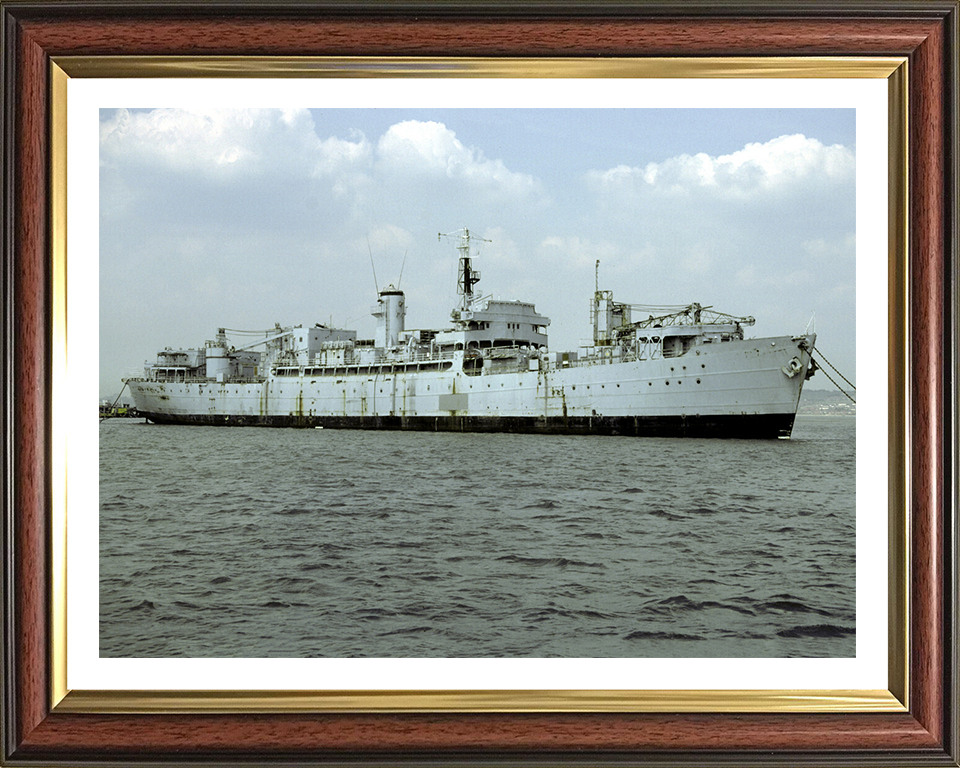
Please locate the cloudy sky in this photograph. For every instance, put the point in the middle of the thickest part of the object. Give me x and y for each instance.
(246, 218)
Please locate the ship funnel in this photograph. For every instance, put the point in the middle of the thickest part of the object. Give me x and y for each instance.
(390, 311)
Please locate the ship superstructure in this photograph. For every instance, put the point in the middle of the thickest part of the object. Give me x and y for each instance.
(686, 371)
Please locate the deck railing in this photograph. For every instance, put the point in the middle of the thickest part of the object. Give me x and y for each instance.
(417, 362)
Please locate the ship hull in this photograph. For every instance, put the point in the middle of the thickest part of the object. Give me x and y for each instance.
(738, 389)
(735, 426)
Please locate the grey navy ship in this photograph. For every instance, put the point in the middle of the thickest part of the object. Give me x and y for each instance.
(689, 373)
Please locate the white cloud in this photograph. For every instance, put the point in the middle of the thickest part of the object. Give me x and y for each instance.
(431, 149)
(175, 138)
(341, 155)
(236, 141)
(780, 165)
(233, 144)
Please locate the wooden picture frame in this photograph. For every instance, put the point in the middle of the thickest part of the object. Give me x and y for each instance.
(37, 732)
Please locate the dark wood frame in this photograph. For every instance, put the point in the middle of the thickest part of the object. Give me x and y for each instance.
(925, 32)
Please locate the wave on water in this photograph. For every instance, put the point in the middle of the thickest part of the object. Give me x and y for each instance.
(645, 635)
(296, 511)
(556, 562)
(792, 606)
(818, 630)
(666, 515)
(268, 543)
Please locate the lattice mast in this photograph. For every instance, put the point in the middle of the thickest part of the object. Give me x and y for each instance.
(467, 276)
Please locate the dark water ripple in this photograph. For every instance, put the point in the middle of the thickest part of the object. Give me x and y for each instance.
(268, 543)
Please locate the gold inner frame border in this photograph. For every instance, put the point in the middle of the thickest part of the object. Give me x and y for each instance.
(895, 699)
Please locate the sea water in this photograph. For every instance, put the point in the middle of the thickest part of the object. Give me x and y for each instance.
(255, 542)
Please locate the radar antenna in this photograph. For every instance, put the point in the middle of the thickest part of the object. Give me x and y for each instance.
(467, 276)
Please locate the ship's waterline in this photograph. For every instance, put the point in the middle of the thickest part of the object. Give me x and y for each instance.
(689, 372)
(734, 427)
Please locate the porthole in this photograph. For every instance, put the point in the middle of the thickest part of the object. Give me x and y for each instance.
(698, 381)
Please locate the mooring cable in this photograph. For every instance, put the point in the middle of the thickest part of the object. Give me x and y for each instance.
(824, 358)
(847, 394)
(115, 401)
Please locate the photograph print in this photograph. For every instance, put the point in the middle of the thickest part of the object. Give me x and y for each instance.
(457, 383)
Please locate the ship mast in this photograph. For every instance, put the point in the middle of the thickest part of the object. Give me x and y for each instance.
(467, 276)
